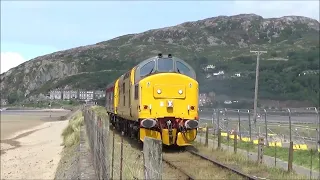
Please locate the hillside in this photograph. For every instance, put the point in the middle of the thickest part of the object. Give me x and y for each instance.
(292, 43)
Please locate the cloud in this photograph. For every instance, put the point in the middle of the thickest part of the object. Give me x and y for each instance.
(10, 60)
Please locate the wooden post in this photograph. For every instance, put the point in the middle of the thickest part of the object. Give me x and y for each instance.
(207, 137)
(290, 159)
(152, 154)
(106, 150)
(112, 155)
(219, 138)
(260, 150)
(121, 154)
(235, 142)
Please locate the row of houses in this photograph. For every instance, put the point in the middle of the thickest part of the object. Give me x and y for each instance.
(76, 94)
(204, 99)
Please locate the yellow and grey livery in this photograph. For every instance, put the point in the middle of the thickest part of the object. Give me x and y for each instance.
(157, 98)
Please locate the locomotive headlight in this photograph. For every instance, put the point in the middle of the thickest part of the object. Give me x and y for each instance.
(159, 91)
(180, 91)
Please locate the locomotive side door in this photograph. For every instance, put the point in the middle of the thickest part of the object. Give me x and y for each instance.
(130, 107)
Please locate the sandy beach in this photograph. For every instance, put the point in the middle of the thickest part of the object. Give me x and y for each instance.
(30, 146)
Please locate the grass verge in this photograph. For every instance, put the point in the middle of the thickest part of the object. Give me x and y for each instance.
(249, 167)
(71, 134)
(68, 165)
(300, 157)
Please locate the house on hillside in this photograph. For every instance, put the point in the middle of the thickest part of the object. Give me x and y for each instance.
(55, 94)
(66, 94)
(99, 94)
(218, 73)
(82, 95)
(89, 95)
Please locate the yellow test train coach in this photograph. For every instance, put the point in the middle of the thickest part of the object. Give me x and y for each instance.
(157, 98)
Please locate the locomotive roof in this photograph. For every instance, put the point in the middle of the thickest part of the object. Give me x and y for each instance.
(157, 57)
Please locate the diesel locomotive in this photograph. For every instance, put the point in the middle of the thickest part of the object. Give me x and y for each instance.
(157, 98)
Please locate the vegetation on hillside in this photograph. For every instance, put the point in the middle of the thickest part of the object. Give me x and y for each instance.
(292, 44)
(278, 80)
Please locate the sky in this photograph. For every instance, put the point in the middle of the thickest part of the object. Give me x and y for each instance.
(34, 28)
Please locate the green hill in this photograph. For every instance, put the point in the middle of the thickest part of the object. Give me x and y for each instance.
(292, 43)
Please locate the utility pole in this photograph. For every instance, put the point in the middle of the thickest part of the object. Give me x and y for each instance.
(258, 53)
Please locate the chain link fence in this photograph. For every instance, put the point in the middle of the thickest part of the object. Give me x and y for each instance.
(290, 135)
(116, 158)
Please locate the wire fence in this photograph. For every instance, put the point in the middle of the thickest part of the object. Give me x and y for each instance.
(291, 135)
(114, 158)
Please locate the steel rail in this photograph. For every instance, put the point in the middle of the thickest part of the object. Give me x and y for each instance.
(224, 166)
(190, 177)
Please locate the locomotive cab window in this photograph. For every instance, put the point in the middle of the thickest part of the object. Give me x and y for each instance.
(165, 65)
(183, 69)
(147, 69)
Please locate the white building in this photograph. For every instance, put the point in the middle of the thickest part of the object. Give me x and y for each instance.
(56, 94)
(218, 73)
(66, 94)
(82, 95)
(99, 94)
(89, 95)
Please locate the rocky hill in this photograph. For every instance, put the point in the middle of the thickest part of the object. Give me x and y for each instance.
(221, 39)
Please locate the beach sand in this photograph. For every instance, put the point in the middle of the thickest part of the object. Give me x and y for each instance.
(14, 122)
(32, 147)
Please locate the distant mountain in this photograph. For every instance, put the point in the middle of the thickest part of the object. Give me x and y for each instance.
(222, 41)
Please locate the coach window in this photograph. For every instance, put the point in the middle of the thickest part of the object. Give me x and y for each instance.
(165, 65)
(183, 69)
(147, 69)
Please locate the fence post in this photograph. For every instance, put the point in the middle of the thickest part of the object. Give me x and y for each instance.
(275, 154)
(218, 122)
(260, 150)
(227, 126)
(290, 158)
(106, 148)
(239, 124)
(94, 150)
(318, 142)
(112, 155)
(249, 125)
(219, 138)
(213, 114)
(235, 142)
(311, 163)
(121, 154)
(207, 136)
(99, 154)
(152, 154)
(266, 126)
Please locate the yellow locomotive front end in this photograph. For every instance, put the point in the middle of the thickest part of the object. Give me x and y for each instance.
(167, 99)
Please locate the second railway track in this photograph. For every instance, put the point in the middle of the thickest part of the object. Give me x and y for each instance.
(195, 166)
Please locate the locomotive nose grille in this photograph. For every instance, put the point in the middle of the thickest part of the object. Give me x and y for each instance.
(169, 91)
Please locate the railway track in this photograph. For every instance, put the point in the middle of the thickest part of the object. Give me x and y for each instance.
(215, 162)
(196, 166)
(186, 174)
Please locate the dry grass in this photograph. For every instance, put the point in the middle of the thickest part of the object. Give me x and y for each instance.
(71, 134)
(132, 164)
(249, 167)
(100, 111)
